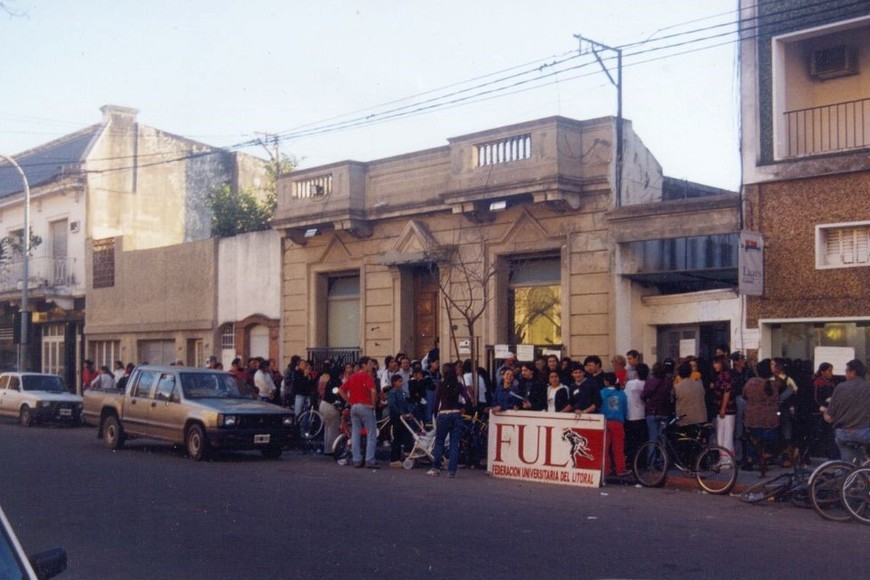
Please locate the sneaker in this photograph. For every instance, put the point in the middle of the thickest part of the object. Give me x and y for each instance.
(359, 465)
(395, 464)
(623, 474)
(373, 465)
(433, 472)
(451, 474)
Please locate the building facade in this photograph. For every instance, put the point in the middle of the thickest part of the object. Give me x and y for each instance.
(513, 236)
(116, 179)
(806, 115)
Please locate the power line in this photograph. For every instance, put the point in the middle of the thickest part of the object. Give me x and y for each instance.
(502, 86)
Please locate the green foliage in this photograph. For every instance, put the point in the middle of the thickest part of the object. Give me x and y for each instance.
(234, 214)
(12, 246)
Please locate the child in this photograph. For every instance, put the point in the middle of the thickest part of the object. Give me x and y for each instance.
(614, 407)
(399, 404)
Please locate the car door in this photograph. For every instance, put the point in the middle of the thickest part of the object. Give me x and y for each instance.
(167, 412)
(4, 382)
(137, 408)
(14, 396)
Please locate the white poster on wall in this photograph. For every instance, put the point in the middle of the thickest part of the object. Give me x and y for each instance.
(836, 355)
(751, 264)
(525, 352)
(687, 347)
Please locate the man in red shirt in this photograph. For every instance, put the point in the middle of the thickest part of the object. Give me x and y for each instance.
(361, 393)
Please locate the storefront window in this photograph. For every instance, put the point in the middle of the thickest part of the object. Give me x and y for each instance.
(803, 340)
(342, 311)
(535, 301)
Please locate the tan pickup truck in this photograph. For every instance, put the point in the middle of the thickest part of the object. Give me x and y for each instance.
(200, 409)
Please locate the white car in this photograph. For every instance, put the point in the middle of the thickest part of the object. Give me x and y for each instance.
(15, 563)
(37, 397)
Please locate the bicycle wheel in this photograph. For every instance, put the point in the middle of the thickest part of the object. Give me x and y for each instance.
(856, 494)
(716, 470)
(311, 425)
(825, 484)
(651, 464)
(767, 488)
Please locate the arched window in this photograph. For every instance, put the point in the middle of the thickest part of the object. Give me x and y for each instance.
(228, 336)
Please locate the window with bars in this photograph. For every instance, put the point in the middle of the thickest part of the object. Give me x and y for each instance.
(104, 263)
(228, 336)
(843, 245)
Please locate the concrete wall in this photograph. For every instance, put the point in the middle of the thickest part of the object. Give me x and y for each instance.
(249, 276)
(164, 293)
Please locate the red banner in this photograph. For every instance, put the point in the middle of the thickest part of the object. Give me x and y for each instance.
(558, 448)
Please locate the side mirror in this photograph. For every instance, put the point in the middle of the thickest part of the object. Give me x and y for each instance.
(49, 564)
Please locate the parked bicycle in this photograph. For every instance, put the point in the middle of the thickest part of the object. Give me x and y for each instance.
(792, 486)
(826, 486)
(309, 424)
(856, 494)
(686, 449)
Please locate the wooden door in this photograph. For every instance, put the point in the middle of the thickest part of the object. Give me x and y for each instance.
(425, 313)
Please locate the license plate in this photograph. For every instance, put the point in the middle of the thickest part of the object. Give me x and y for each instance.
(262, 438)
(66, 412)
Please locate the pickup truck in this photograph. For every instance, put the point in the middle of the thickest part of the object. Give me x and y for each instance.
(37, 397)
(201, 409)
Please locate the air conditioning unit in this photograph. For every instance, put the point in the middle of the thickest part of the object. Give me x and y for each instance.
(835, 62)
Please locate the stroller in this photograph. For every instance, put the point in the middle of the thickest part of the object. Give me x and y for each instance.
(424, 441)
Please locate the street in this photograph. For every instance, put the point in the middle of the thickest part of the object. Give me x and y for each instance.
(147, 511)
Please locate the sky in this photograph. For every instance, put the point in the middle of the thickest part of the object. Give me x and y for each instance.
(404, 75)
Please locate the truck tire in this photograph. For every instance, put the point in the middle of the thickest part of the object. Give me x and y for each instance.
(196, 443)
(25, 416)
(113, 433)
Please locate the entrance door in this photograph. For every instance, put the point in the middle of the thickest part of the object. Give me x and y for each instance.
(698, 340)
(425, 312)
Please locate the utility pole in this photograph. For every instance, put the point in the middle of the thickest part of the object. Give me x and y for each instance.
(23, 347)
(595, 48)
(274, 154)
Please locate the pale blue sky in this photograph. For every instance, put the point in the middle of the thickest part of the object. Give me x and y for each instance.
(219, 71)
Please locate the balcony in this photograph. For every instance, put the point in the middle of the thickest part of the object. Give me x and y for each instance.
(827, 129)
(49, 274)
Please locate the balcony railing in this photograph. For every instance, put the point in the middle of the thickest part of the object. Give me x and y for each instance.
(43, 273)
(828, 128)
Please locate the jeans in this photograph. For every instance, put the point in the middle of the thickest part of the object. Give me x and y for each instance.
(654, 425)
(739, 431)
(299, 404)
(430, 403)
(452, 424)
(845, 436)
(363, 417)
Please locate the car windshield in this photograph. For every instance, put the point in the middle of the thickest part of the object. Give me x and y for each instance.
(209, 386)
(50, 383)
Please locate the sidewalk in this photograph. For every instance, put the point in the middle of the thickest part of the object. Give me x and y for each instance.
(679, 480)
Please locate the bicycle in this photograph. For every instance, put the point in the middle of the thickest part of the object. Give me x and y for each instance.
(793, 486)
(309, 424)
(826, 485)
(714, 467)
(855, 494)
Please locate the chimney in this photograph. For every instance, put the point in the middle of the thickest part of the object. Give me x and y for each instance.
(121, 115)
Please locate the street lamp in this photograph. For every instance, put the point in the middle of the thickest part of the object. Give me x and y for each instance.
(25, 268)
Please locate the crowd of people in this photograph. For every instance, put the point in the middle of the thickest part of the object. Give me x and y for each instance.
(776, 410)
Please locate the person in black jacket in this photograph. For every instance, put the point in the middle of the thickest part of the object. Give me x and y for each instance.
(532, 389)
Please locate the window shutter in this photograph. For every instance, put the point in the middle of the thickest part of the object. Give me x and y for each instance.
(862, 245)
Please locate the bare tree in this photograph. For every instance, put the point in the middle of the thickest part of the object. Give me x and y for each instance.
(464, 275)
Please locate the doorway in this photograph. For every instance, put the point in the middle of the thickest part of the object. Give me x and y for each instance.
(699, 340)
(426, 293)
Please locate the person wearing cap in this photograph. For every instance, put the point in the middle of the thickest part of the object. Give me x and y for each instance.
(740, 374)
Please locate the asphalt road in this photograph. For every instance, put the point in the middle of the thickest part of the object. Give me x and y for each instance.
(149, 512)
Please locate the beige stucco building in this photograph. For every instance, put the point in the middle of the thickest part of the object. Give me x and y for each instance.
(522, 225)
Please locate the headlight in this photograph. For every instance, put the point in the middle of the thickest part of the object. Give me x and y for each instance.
(288, 420)
(45, 403)
(229, 420)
